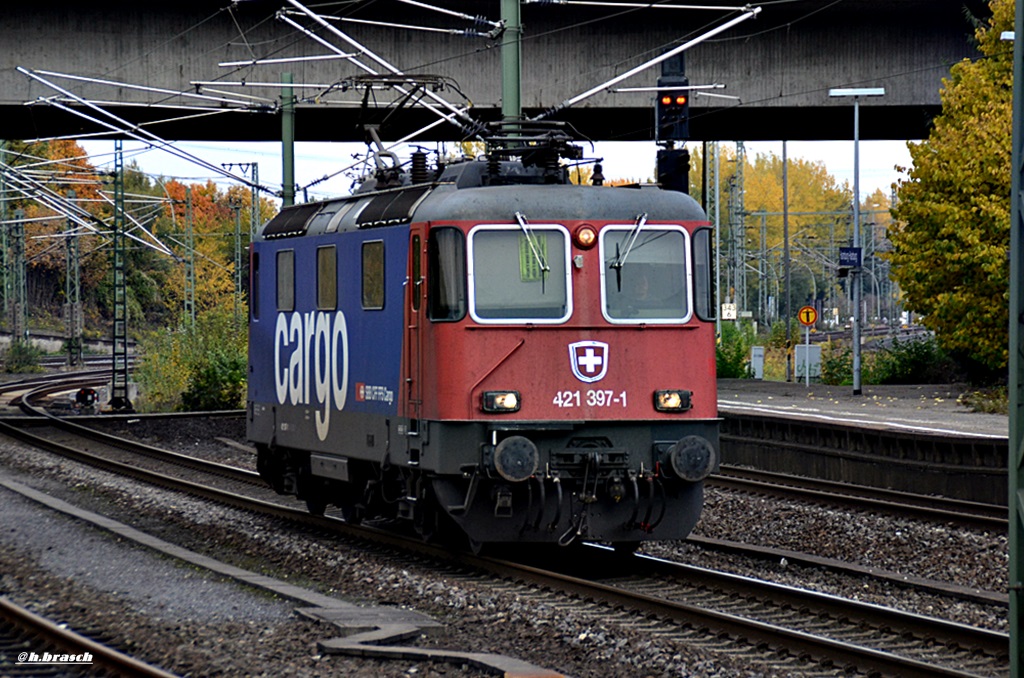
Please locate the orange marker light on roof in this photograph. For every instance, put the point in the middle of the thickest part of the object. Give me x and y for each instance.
(585, 236)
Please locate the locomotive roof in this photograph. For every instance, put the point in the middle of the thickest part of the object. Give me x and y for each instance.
(460, 195)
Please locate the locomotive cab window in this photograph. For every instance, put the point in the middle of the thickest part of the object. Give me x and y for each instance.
(373, 275)
(286, 280)
(703, 275)
(519, 274)
(326, 278)
(446, 274)
(646, 274)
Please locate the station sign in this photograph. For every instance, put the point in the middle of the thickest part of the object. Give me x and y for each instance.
(849, 257)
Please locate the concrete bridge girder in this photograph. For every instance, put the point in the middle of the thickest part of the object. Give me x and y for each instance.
(780, 65)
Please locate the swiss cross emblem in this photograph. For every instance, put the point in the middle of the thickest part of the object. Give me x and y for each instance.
(589, 360)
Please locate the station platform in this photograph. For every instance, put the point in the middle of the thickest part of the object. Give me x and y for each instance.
(929, 408)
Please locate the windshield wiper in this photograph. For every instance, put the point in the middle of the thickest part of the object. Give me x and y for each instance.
(620, 259)
(532, 242)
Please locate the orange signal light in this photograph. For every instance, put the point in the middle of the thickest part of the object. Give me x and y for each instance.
(680, 99)
(666, 99)
(586, 236)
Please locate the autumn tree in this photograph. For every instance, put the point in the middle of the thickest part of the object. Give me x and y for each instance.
(56, 167)
(953, 212)
(751, 235)
(200, 366)
(211, 224)
(147, 266)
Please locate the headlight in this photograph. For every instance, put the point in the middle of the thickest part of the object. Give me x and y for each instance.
(675, 400)
(501, 401)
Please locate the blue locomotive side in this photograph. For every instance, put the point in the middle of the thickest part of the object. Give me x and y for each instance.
(325, 335)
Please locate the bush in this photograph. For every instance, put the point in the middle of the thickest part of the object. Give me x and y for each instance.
(777, 334)
(993, 400)
(22, 357)
(836, 364)
(218, 384)
(912, 361)
(732, 354)
(199, 368)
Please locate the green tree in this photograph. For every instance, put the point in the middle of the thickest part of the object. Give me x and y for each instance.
(951, 240)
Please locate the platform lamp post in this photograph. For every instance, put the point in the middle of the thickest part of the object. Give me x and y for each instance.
(856, 93)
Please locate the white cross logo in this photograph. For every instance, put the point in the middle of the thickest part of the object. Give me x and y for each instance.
(589, 360)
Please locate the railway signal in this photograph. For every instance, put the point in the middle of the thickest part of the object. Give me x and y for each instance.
(673, 166)
(673, 109)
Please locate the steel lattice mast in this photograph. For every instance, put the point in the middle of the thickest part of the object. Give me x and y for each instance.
(73, 293)
(19, 308)
(1015, 464)
(119, 399)
(190, 261)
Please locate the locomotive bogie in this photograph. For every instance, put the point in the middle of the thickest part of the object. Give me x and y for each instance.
(615, 483)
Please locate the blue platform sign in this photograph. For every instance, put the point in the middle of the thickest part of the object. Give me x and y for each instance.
(849, 257)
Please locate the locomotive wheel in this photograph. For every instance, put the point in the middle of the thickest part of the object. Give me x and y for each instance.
(316, 505)
(425, 515)
(352, 513)
(425, 520)
(626, 548)
(315, 491)
(271, 468)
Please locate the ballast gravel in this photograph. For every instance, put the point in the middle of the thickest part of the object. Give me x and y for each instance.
(545, 631)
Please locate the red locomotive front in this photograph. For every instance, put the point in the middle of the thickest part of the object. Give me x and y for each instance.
(565, 367)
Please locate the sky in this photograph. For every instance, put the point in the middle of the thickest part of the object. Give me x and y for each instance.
(629, 160)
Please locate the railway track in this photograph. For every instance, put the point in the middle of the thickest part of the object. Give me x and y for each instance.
(808, 627)
(31, 645)
(802, 630)
(975, 515)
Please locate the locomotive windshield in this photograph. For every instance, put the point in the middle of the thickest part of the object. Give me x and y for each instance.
(519, 275)
(645, 277)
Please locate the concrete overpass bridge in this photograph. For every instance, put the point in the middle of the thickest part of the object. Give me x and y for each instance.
(780, 66)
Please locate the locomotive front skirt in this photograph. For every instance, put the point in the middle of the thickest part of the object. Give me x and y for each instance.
(505, 361)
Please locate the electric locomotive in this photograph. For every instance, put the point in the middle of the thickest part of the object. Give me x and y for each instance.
(487, 350)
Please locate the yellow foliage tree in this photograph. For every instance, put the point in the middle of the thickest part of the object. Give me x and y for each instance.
(752, 228)
(213, 214)
(950, 248)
